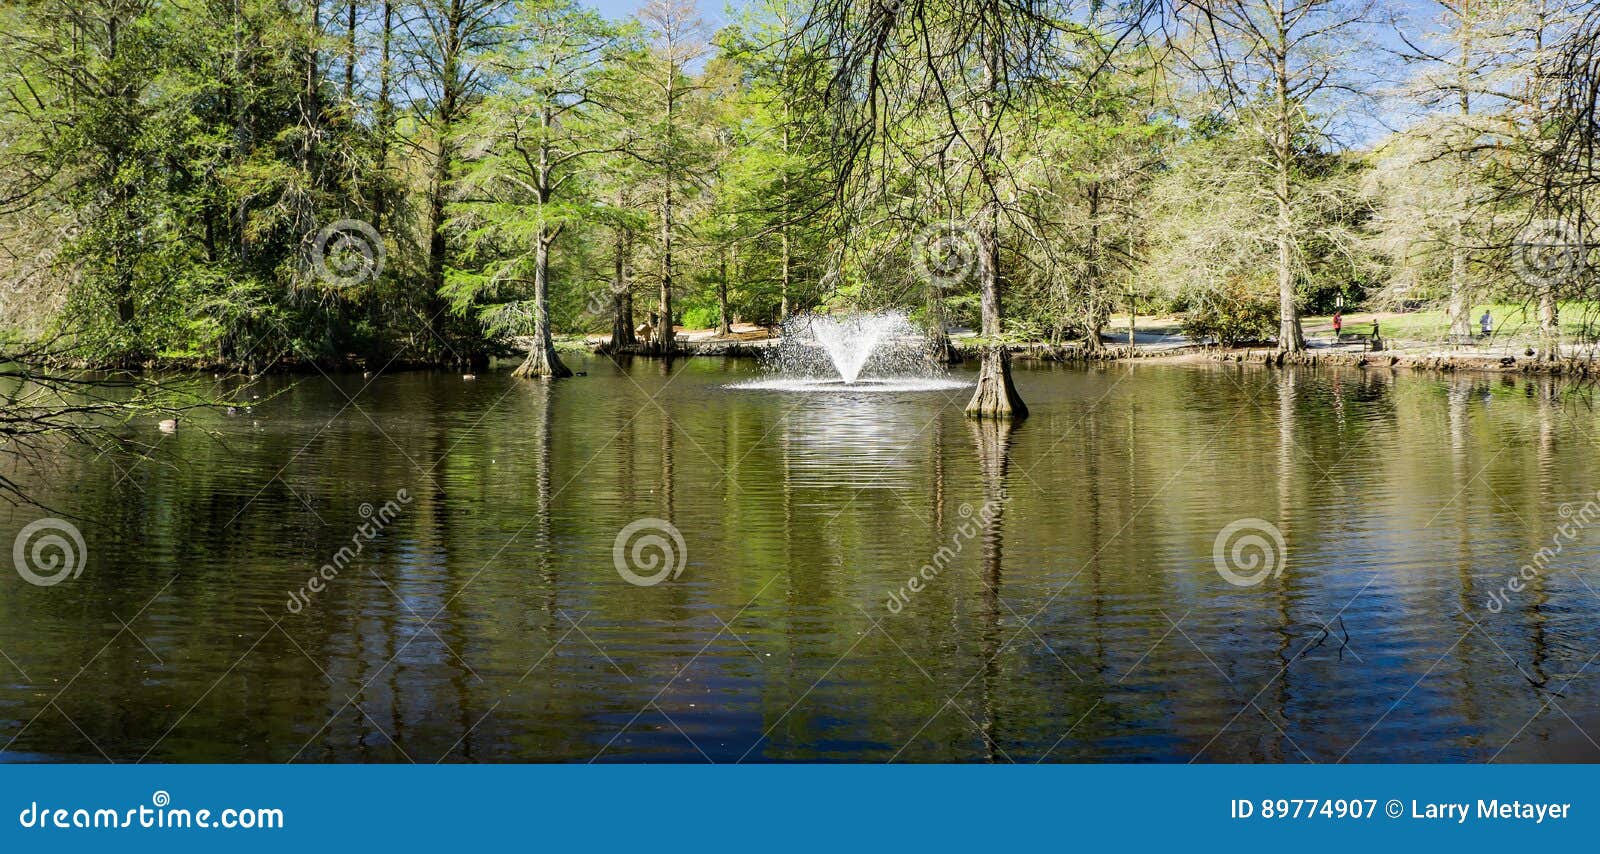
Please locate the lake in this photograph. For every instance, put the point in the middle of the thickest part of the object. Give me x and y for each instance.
(863, 577)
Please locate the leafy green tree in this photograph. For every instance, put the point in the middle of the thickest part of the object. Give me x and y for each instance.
(526, 187)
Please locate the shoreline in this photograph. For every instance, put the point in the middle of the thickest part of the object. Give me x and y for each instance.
(1582, 368)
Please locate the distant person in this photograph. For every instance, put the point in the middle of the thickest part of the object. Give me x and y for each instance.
(1486, 323)
(1338, 324)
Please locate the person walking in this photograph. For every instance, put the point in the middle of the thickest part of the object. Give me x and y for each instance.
(1486, 323)
(1338, 324)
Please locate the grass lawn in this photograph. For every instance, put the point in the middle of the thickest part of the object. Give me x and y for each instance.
(1579, 321)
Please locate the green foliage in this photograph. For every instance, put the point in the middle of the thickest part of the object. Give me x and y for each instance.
(1235, 317)
(165, 188)
(700, 317)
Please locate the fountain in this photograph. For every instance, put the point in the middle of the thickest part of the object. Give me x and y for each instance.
(850, 341)
(853, 353)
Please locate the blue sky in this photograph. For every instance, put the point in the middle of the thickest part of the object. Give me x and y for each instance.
(711, 11)
(1356, 127)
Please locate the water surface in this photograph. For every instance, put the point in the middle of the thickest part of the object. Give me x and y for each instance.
(1079, 617)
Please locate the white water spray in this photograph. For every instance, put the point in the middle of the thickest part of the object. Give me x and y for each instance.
(849, 341)
(853, 353)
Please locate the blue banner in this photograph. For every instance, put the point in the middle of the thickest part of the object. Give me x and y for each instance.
(683, 808)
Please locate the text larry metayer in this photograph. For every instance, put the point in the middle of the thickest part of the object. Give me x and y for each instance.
(1460, 812)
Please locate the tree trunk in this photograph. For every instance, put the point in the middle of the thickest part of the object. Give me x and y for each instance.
(996, 397)
(724, 319)
(311, 105)
(1459, 310)
(621, 295)
(666, 336)
(1290, 337)
(940, 350)
(450, 95)
(1094, 316)
(1093, 329)
(783, 234)
(350, 53)
(385, 129)
(666, 339)
(542, 360)
(1549, 325)
(783, 282)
